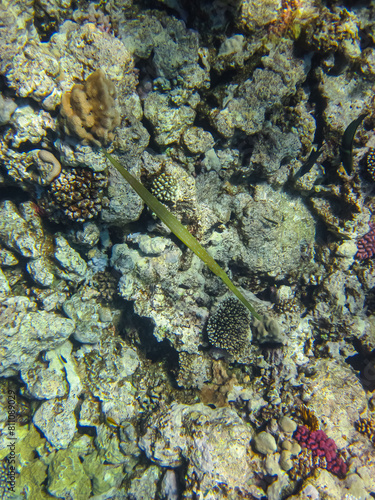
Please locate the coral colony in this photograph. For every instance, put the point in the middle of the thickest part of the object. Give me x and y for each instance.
(366, 244)
(323, 447)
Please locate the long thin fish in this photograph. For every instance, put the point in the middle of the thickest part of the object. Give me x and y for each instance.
(346, 150)
(309, 163)
(180, 231)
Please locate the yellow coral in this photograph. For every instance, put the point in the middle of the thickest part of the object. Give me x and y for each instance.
(309, 418)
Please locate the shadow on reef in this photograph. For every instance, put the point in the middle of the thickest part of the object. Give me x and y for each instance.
(139, 331)
(199, 13)
(364, 363)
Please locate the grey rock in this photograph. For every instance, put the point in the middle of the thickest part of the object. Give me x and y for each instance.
(71, 265)
(21, 230)
(4, 286)
(55, 418)
(286, 462)
(89, 235)
(214, 442)
(168, 121)
(25, 332)
(198, 140)
(40, 271)
(7, 107)
(7, 258)
(124, 204)
(86, 317)
(265, 443)
(287, 424)
(46, 381)
(108, 447)
(145, 485)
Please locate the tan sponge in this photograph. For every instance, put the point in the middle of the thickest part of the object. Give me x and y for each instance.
(89, 110)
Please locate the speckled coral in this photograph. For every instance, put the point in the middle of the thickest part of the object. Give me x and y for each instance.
(370, 163)
(89, 110)
(229, 327)
(366, 426)
(164, 187)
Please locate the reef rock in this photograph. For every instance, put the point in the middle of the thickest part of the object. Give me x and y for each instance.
(25, 332)
(215, 444)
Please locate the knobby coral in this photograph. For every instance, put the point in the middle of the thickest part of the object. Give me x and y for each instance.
(323, 450)
(366, 244)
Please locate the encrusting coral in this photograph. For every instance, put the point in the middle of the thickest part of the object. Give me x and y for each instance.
(89, 110)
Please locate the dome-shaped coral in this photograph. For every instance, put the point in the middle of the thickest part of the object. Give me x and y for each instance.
(229, 327)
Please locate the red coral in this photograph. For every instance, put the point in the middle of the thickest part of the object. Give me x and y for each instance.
(366, 245)
(321, 446)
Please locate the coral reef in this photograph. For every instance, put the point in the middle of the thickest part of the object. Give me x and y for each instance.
(366, 244)
(366, 426)
(370, 163)
(134, 373)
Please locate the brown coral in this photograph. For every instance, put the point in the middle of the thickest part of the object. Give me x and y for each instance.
(309, 418)
(305, 464)
(89, 110)
(106, 284)
(75, 195)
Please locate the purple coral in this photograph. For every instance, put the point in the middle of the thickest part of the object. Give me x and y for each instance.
(323, 447)
(366, 245)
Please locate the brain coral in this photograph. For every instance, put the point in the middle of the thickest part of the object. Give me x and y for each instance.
(89, 110)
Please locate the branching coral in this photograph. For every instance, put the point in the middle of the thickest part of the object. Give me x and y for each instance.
(89, 110)
(76, 195)
(229, 327)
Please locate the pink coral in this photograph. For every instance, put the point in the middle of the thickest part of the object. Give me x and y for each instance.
(366, 245)
(321, 446)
